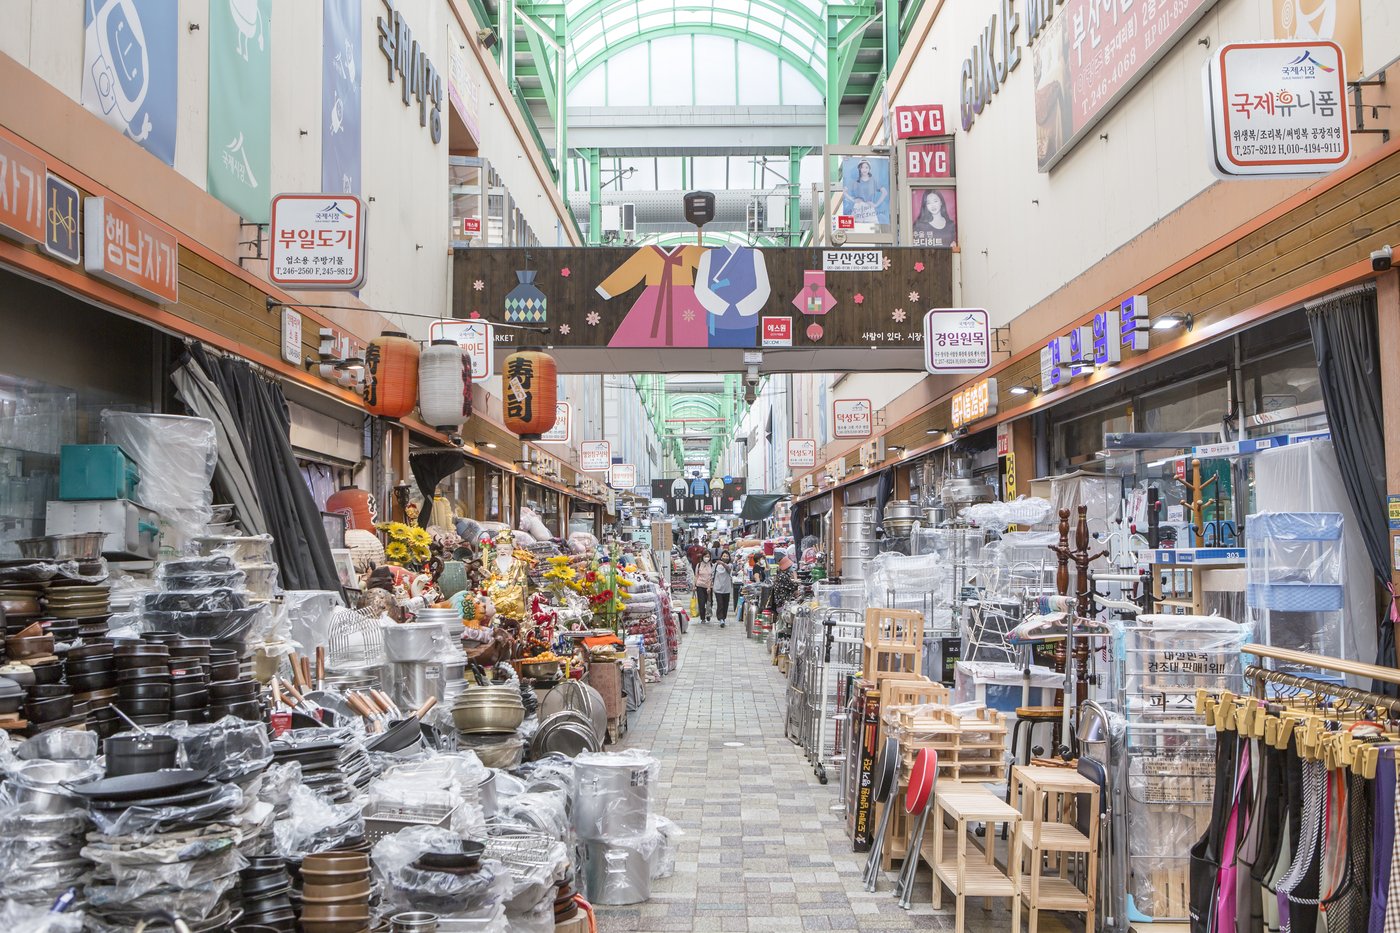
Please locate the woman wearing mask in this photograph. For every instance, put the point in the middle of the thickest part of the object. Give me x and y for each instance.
(704, 585)
(724, 588)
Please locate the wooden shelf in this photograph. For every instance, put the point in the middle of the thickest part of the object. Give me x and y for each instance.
(978, 878)
(1055, 894)
(1054, 837)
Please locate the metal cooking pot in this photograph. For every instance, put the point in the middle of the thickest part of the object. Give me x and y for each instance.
(413, 641)
(615, 875)
(857, 532)
(611, 799)
(579, 697)
(567, 733)
(858, 514)
(853, 570)
(901, 510)
(859, 549)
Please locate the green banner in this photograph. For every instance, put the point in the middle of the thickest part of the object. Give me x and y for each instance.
(240, 106)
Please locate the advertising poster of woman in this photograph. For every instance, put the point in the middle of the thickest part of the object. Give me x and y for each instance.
(865, 192)
(935, 217)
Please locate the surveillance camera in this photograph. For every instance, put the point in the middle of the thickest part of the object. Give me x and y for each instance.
(1381, 259)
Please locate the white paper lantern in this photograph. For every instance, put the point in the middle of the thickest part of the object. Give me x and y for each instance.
(445, 386)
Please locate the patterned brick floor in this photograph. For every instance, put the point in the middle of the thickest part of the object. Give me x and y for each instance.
(765, 850)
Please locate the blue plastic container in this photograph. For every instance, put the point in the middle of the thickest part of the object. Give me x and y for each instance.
(96, 471)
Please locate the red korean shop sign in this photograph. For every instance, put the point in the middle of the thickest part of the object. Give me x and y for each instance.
(22, 181)
(932, 160)
(852, 418)
(130, 251)
(919, 121)
(1090, 54)
(777, 331)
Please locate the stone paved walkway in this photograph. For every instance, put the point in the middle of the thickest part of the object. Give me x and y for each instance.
(764, 851)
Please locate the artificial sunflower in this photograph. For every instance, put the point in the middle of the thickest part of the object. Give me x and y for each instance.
(419, 537)
(396, 551)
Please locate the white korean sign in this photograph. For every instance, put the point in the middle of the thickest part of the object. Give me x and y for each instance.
(801, 453)
(318, 241)
(1278, 108)
(852, 418)
(561, 432)
(623, 476)
(852, 260)
(291, 336)
(477, 338)
(595, 456)
(957, 340)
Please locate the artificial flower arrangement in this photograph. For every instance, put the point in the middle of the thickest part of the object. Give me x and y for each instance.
(406, 545)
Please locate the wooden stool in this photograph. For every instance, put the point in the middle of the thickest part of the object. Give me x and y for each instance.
(894, 643)
(964, 874)
(1047, 797)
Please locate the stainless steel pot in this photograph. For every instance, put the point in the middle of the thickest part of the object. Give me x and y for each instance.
(854, 570)
(901, 510)
(86, 546)
(413, 641)
(858, 532)
(615, 874)
(486, 795)
(611, 799)
(858, 514)
(859, 549)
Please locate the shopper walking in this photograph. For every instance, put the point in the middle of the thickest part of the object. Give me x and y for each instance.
(724, 589)
(704, 585)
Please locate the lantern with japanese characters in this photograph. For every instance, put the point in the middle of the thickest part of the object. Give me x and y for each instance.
(445, 386)
(530, 384)
(391, 374)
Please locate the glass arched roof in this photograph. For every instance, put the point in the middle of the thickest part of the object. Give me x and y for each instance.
(792, 30)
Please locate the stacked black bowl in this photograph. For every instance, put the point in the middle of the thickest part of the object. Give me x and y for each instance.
(189, 675)
(143, 681)
(266, 888)
(235, 698)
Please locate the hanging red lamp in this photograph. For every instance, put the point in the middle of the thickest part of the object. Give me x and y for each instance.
(445, 386)
(391, 374)
(530, 385)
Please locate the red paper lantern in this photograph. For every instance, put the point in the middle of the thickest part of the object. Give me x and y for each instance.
(530, 385)
(391, 379)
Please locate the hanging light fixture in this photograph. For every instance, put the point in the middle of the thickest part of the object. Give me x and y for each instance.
(530, 386)
(391, 380)
(445, 386)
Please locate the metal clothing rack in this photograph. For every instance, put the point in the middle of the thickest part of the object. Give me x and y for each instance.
(1261, 675)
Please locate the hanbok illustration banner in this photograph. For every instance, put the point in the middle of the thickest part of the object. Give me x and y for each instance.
(131, 70)
(689, 296)
(240, 106)
(696, 494)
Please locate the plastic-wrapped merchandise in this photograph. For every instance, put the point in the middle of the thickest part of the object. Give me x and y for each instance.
(23, 918)
(251, 623)
(539, 918)
(670, 833)
(309, 613)
(149, 821)
(407, 885)
(619, 871)
(494, 750)
(229, 749)
(176, 456)
(544, 812)
(552, 772)
(59, 745)
(612, 793)
(313, 824)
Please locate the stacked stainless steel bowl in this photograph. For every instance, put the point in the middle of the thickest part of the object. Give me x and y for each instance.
(484, 710)
(858, 543)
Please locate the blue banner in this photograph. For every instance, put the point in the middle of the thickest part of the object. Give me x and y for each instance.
(131, 69)
(341, 79)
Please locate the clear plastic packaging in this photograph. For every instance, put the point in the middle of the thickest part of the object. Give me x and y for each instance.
(612, 793)
(23, 918)
(240, 625)
(176, 456)
(544, 812)
(406, 886)
(313, 824)
(619, 872)
(670, 833)
(1297, 580)
(229, 749)
(310, 614)
(59, 745)
(150, 821)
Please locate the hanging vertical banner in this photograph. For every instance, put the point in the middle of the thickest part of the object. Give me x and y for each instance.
(240, 106)
(131, 69)
(341, 74)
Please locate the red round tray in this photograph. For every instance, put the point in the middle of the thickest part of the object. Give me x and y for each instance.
(921, 778)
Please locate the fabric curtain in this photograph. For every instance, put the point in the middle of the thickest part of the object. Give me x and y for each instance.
(1348, 361)
(883, 493)
(431, 467)
(259, 409)
(233, 473)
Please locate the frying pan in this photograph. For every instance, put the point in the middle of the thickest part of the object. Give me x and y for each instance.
(136, 786)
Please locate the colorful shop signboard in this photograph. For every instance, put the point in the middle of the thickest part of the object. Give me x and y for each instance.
(727, 297)
(318, 241)
(974, 403)
(699, 495)
(852, 418)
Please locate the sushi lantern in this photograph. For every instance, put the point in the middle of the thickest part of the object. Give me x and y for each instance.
(530, 384)
(391, 374)
(445, 386)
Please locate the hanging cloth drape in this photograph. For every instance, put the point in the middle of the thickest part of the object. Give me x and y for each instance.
(233, 473)
(1348, 361)
(260, 410)
(884, 492)
(431, 467)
